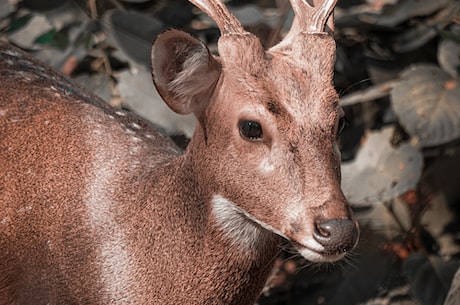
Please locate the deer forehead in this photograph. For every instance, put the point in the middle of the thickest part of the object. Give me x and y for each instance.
(288, 93)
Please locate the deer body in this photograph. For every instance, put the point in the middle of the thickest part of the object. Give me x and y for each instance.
(98, 207)
(110, 228)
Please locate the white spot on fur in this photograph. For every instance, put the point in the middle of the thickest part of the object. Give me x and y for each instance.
(3, 112)
(41, 69)
(115, 272)
(136, 139)
(266, 165)
(25, 62)
(12, 53)
(232, 209)
(120, 113)
(235, 225)
(133, 150)
(135, 126)
(24, 209)
(130, 131)
(5, 220)
(232, 218)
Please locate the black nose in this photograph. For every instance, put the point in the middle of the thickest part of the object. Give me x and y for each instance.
(336, 235)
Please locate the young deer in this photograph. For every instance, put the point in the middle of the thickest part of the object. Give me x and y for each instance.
(100, 208)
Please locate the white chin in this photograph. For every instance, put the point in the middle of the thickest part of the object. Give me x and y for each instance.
(317, 257)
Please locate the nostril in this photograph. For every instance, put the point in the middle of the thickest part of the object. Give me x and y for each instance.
(323, 228)
(336, 235)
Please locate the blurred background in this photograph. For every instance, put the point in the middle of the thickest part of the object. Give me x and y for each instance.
(397, 72)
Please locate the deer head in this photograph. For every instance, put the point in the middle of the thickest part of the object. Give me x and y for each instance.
(265, 147)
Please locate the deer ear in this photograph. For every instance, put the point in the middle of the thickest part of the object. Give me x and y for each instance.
(184, 71)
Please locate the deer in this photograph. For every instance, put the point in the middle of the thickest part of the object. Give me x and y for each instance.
(100, 207)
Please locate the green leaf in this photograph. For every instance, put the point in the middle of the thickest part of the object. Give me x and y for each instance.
(19, 23)
(45, 38)
(54, 38)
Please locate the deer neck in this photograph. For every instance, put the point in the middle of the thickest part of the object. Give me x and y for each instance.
(211, 217)
(225, 245)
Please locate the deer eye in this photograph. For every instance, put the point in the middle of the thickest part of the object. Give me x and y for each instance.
(250, 130)
(343, 122)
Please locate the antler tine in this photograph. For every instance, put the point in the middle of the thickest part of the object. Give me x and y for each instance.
(226, 21)
(312, 19)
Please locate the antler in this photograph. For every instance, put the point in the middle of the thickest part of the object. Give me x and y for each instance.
(309, 19)
(227, 23)
(312, 19)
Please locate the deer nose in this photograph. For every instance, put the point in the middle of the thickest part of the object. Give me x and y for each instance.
(336, 235)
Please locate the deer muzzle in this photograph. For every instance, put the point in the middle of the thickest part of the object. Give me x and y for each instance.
(331, 240)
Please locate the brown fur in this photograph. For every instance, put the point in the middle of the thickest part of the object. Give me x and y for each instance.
(98, 207)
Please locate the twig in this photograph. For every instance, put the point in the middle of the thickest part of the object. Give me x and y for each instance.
(284, 11)
(369, 94)
(92, 9)
(389, 206)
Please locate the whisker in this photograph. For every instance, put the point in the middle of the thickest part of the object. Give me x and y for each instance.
(342, 93)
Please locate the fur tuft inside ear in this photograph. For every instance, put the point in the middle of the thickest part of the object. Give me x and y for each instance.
(184, 71)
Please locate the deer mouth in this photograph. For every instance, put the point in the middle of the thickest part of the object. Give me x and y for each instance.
(319, 256)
